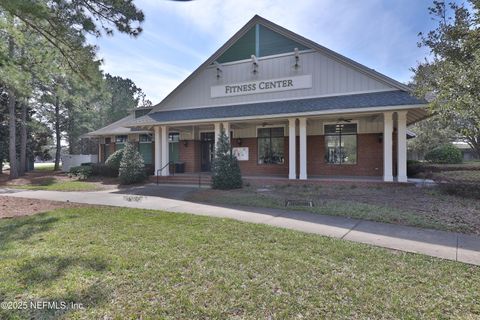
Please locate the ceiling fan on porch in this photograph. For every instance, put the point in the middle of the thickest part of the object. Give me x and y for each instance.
(344, 120)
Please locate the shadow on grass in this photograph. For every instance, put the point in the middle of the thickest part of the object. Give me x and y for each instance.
(44, 271)
(18, 229)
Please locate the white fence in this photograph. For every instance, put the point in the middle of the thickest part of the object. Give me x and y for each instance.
(73, 160)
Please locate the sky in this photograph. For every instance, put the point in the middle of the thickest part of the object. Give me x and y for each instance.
(179, 36)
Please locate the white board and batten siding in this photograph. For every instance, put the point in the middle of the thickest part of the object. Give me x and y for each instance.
(328, 77)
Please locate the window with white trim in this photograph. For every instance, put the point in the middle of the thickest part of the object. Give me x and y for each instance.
(271, 145)
(341, 143)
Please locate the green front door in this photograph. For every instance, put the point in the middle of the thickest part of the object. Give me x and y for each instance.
(145, 150)
(173, 145)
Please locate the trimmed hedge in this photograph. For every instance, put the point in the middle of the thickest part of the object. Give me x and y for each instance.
(81, 172)
(446, 154)
(101, 169)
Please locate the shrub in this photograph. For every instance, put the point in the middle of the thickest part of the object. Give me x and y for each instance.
(132, 167)
(447, 154)
(101, 169)
(81, 172)
(113, 161)
(226, 173)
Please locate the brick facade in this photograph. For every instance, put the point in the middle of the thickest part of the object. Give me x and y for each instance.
(369, 157)
(190, 154)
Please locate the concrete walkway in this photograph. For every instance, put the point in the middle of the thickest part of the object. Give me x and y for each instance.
(447, 245)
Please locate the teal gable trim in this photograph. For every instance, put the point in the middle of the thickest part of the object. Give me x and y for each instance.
(259, 41)
(271, 42)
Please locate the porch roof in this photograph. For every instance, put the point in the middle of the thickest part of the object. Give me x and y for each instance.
(347, 103)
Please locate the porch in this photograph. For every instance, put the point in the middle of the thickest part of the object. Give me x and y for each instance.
(357, 147)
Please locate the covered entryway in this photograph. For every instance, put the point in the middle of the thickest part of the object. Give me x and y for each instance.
(207, 150)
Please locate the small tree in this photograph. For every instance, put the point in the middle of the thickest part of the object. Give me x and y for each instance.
(132, 167)
(226, 173)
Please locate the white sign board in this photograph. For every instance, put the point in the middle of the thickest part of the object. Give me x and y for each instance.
(261, 86)
(240, 153)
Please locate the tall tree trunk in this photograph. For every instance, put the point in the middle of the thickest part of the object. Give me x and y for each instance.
(12, 147)
(57, 134)
(23, 140)
(12, 150)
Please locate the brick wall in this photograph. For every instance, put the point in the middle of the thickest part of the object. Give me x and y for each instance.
(369, 158)
(190, 154)
(251, 167)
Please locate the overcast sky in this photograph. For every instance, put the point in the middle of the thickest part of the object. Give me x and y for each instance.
(178, 36)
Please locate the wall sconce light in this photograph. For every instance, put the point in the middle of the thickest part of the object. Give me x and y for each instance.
(380, 137)
(239, 141)
(297, 58)
(219, 69)
(185, 143)
(255, 64)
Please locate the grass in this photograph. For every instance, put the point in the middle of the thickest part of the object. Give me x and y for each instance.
(336, 208)
(461, 175)
(52, 184)
(131, 263)
(407, 205)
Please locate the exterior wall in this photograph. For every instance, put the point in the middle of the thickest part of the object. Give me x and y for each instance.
(190, 154)
(369, 157)
(329, 77)
(251, 167)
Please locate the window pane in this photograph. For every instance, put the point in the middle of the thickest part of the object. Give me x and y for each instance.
(121, 139)
(173, 137)
(270, 145)
(263, 132)
(349, 149)
(145, 138)
(277, 132)
(341, 149)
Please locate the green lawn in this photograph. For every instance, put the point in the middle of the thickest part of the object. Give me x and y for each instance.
(127, 263)
(52, 184)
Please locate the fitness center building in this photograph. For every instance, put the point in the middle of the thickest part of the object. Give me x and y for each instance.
(291, 107)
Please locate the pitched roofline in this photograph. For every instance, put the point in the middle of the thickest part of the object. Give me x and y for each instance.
(290, 34)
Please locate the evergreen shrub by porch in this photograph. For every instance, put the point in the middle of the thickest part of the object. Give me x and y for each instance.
(226, 173)
(445, 154)
(113, 161)
(132, 167)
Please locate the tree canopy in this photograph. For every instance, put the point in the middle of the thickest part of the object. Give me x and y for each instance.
(450, 78)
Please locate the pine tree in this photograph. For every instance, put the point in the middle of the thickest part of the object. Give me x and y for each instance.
(225, 168)
(132, 167)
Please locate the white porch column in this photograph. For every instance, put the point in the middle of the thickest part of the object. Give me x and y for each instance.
(303, 148)
(158, 152)
(217, 133)
(165, 151)
(226, 128)
(387, 146)
(402, 146)
(292, 150)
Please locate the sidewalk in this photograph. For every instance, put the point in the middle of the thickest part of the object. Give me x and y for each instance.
(446, 245)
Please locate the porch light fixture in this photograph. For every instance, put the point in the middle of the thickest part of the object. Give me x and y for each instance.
(255, 64)
(239, 141)
(218, 66)
(185, 143)
(380, 137)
